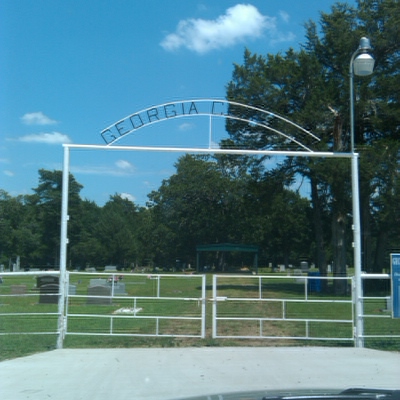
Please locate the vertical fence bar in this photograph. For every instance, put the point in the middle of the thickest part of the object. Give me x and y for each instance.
(214, 311)
(203, 307)
(306, 288)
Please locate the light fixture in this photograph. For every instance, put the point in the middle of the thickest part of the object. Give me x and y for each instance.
(364, 63)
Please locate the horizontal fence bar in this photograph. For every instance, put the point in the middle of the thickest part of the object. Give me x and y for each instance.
(25, 314)
(121, 296)
(275, 300)
(287, 338)
(133, 334)
(283, 319)
(132, 316)
(29, 273)
(29, 333)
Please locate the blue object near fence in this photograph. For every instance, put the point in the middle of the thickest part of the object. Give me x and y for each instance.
(314, 284)
(395, 268)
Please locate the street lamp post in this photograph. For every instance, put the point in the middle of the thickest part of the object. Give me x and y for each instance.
(361, 64)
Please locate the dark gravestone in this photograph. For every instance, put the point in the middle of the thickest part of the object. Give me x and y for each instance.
(49, 287)
(103, 293)
(49, 294)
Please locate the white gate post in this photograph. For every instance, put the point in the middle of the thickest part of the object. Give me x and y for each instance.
(359, 309)
(63, 249)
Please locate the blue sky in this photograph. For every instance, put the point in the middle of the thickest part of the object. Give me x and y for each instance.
(69, 69)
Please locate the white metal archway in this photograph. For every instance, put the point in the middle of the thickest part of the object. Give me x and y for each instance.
(211, 109)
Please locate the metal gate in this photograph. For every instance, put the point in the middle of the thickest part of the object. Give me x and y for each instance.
(120, 304)
(282, 307)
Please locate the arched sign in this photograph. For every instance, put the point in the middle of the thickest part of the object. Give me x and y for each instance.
(201, 107)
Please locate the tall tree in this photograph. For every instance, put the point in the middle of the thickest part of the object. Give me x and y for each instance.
(377, 100)
(46, 203)
(311, 88)
(196, 205)
(117, 230)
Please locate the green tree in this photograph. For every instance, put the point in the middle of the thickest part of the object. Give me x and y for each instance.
(196, 205)
(117, 230)
(19, 232)
(85, 248)
(45, 205)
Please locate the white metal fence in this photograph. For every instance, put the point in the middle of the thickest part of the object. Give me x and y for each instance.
(29, 303)
(380, 329)
(35, 303)
(156, 305)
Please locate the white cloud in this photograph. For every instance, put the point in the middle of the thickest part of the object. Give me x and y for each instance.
(120, 168)
(128, 196)
(37, 118)
(283, 37)
(125, 165)
(240, 22)
(97, 170)
(185, 127)
(8, 173)
(284, 16)
(47, 138)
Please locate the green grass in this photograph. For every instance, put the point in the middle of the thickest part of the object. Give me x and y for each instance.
(99, 320)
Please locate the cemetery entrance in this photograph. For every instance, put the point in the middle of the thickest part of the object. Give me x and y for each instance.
(294, 140)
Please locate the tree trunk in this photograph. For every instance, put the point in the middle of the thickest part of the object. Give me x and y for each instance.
(366, 259)
(319, 239)
(381, 246)
(339, 251)
(338, 215)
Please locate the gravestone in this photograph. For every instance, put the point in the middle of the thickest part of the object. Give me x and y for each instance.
(104, 293)
(98, 282)
(304, 266)
(119, 288)
(72, 289)
(49, 294)
(48, 286)
(18, 289)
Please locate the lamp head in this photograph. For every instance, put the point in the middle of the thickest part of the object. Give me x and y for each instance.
(364, 63)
